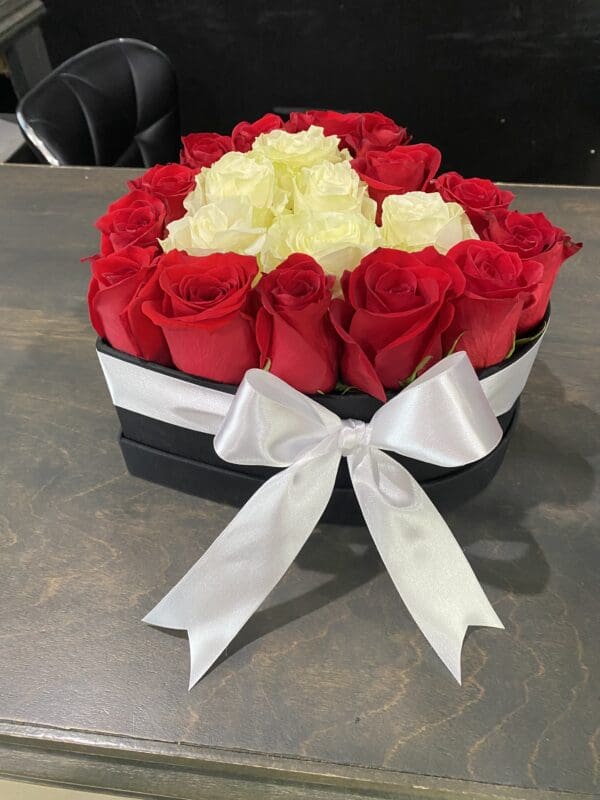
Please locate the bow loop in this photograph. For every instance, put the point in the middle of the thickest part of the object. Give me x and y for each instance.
(271, 424)
(443, 417)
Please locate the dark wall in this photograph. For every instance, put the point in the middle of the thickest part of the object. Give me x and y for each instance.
(506, 88)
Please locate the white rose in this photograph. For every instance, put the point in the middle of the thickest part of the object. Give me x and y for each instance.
(336, 239)
(195, 199)
(240, 175)
(289, 152)
(332, 187)
(416, 220)
(221, 227)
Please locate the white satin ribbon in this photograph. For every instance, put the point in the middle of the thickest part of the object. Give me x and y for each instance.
(444, 417)
(181, 402)
(504, 387)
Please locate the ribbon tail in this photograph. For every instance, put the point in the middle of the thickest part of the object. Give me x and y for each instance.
(217, 596)
(424, 560)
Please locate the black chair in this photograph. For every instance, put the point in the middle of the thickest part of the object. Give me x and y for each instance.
(114, 104)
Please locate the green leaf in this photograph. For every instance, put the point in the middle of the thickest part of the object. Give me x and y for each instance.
(343, 388)
(532, 338)
(512, 349)
(455, 343)
(525, 340)
(415, 372)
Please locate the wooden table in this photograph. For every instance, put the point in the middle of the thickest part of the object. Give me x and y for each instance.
(330, 691)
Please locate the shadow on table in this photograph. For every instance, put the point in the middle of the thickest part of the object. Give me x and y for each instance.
(546, 464)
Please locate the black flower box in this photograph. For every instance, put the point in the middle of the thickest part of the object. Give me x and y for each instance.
(184, 459)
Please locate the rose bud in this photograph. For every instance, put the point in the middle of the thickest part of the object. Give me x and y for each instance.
(244, 133)
(203, 149)
(204, 313)
(479, 197)
(120, 283)
(396, 309)
(137, 218)
(171, 183)
(293, 330)
(534, 237)
(499, 285)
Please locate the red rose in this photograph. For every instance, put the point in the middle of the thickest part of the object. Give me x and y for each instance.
(137, 218)
(244, 133)
(293, 330)
(355, 368)
(405, 168)
(478, 197)
(376, 132)
(499, 284)
(171, 183)
(533, 236)
(120, 283)
(203, 149)
(397, 308)
(204, 313)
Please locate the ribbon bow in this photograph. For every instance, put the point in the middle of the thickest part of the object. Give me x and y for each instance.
(443, 418)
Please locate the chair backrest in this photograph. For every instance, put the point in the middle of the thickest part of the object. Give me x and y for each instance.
(114, 104)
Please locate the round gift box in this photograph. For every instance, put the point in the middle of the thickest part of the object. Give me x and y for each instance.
(185, 459)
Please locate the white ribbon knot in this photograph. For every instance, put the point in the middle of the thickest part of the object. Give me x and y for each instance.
(442, 418)
(353, 433)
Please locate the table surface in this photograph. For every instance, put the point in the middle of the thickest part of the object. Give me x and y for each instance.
(330, 690)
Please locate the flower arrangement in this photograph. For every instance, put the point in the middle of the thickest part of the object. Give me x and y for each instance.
(328, 252)
(326, 249)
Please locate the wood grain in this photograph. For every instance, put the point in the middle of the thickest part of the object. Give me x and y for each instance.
(330, 687)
